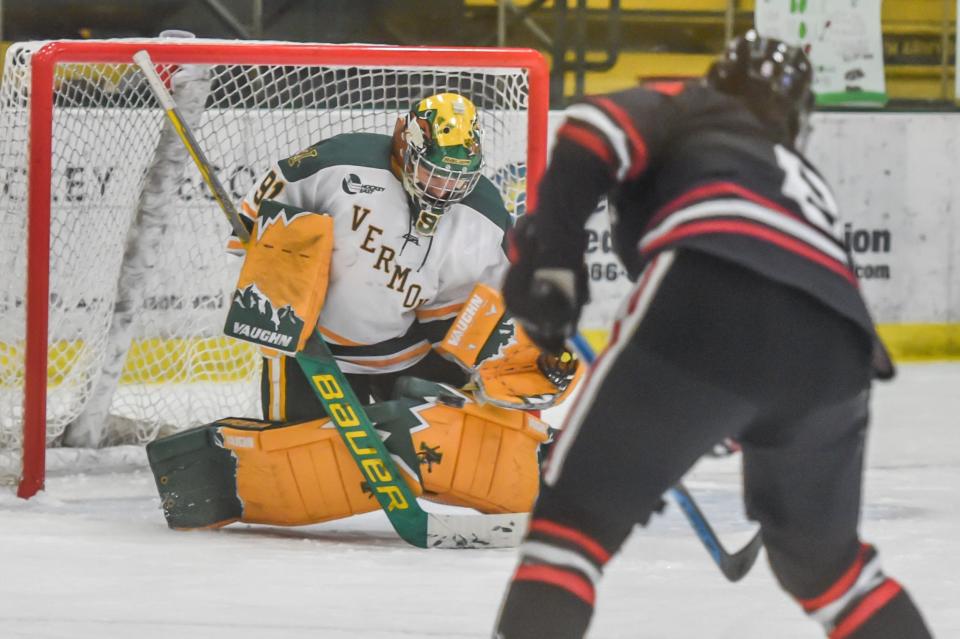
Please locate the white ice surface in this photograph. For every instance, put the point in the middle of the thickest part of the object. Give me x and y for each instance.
(92, 557)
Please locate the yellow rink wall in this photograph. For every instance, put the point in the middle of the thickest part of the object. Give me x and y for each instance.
(149, 361)
(907, 342)
(922, 342)
(221, 359)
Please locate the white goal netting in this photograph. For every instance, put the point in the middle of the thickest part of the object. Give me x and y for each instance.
(135, 341)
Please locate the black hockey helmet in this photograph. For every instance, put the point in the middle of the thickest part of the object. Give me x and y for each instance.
(773, 78)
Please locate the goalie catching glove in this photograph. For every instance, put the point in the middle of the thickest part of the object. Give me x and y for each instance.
(506, 368)
(546, 287)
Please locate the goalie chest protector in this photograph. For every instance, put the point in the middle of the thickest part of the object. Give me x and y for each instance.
(384, 276)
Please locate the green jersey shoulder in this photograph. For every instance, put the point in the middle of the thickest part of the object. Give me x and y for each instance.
(487, 200)
(346, 149)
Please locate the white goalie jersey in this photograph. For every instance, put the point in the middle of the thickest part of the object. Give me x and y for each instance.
(392, 292)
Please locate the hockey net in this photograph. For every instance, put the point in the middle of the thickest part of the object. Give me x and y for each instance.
(116, 282)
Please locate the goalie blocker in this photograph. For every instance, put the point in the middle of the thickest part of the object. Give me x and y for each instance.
(284, 278)
(450, 448)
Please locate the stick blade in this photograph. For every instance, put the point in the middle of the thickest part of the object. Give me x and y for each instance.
(736, 566)
(733, 566)
(476, 531)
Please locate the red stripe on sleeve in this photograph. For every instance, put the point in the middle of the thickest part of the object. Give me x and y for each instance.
(587, 543)
(639, 154)
(572, 583)
(716, 190)
(769, 235)
(589, 141)
(873, 602)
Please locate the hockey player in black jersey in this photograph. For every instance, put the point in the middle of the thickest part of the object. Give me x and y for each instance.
(745, 321)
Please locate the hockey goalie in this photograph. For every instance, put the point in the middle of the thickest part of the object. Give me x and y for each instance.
(390, 250)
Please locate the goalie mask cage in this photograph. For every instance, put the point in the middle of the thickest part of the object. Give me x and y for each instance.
(116, 280)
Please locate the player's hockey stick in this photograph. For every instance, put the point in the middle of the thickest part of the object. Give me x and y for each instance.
(733, 566)
(412, 523)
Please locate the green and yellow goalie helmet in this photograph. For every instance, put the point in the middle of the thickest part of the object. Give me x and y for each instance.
(436, 148)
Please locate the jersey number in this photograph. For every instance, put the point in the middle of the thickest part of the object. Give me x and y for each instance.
(269, 188)
(807, 189)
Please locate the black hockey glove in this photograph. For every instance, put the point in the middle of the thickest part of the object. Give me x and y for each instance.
(546, 287)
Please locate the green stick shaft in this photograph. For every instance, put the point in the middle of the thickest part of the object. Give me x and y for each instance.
(387, 485)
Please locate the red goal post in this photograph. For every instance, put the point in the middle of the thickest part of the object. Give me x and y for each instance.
(49, 67)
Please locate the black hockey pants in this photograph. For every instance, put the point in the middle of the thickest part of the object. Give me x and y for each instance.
(286, 394)
(704, 350)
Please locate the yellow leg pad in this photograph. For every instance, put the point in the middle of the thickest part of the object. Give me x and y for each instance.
(297, 474)
(487, 457)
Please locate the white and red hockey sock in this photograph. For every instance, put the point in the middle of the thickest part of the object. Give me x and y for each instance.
(865, 604)
(554, 587)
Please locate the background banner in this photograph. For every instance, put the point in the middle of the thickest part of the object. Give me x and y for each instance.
(843, 39)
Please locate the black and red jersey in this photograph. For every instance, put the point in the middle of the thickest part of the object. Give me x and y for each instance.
(688, 166)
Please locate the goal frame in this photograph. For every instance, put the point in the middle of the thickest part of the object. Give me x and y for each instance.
(40, 160)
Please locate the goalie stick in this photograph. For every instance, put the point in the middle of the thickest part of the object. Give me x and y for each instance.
(414, 525)
(733, 566)
(142, 59)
